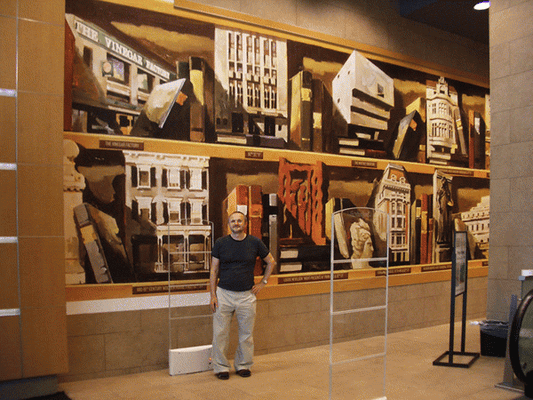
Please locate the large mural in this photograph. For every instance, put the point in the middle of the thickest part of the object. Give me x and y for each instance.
(133, 215)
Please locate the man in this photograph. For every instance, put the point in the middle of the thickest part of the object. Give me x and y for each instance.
(232, 263)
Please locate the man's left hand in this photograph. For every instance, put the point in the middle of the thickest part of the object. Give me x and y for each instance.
(258, 287)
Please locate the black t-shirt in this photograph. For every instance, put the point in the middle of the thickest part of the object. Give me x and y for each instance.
(237, 261)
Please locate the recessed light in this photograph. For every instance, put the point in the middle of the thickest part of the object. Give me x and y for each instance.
(482, 5)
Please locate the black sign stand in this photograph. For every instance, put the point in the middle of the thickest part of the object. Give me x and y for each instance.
(459, 286)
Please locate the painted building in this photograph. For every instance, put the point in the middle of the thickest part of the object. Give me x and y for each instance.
(111, 80)
(363, 94)
(251, 91)
(441, 106)
(477, 220)
(171, 192)
(392, 199)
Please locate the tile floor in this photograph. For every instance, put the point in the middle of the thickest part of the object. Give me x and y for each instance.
(304, 374)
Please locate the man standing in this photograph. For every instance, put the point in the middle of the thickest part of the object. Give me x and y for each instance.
(232, 263)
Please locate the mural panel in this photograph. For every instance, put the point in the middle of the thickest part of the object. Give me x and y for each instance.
(141, 76)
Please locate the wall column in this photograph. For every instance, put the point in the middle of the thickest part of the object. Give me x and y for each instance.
(33, 340)
(511, 187)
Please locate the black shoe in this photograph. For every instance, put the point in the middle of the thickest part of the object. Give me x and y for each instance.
(245, 373)
(223, 375)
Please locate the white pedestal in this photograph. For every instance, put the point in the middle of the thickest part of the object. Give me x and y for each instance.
(189, 360)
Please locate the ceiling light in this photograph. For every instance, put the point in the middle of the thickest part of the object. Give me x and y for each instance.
(482, 5)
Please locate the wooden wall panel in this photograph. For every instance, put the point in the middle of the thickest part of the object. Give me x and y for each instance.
(43, 336)
(10, 359)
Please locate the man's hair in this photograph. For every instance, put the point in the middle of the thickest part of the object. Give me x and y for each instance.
(238, 212)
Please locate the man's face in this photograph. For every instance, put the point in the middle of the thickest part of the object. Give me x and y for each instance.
(236, 223)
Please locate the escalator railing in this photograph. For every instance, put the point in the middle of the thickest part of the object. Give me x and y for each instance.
(521, 343)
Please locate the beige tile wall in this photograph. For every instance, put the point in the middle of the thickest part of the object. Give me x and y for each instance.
(511, 72)
(118, 343)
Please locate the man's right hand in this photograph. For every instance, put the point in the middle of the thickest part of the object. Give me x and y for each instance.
(214, 304)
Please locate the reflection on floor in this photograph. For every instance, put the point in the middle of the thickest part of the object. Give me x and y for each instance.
(304, 374)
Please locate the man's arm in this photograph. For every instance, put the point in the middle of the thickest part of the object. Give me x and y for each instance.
(213, 277)
(270, 264)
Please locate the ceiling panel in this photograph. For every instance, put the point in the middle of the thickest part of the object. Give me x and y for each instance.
(455, 16)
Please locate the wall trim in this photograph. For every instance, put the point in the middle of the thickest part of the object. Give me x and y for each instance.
(8, 167)
(9, 312)
(136, 303)
(8, 93)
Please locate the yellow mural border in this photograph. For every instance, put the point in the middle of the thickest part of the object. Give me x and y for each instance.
(360, 279)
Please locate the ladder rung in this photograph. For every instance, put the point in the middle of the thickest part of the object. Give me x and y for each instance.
(191, 317)
(359, 359)
(356, 310)
(349, 260)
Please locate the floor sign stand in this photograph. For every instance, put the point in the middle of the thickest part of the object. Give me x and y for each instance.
(459, 287)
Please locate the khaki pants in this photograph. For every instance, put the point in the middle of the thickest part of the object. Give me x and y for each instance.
(243, 305)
